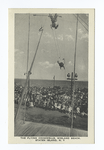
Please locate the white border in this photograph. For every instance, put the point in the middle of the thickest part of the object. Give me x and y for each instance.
(99, 61)
(83, 140)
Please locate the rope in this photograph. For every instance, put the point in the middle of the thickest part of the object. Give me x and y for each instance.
(36, 52)
(28, 58)
(65, 68)
(44, 22)
(24, 90)
(55, 43)
(82, 24)
(83, 21)
(64, 56)
(58, 46)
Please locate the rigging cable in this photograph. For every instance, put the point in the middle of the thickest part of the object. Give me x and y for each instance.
(65, 68)
(81, 23)
(80, 20)
(44, 23)
(58, 51)
(29, 72)
(63, 60)
(55, 43)
(64, 55)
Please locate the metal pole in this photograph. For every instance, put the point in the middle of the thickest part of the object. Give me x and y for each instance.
(29, 72)
(54, 80)
(71, 85)
(36, 52)
(28, 45)
(27, 61)
(28, 51)
(74, 70)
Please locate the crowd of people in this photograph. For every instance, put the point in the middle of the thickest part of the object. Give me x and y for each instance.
(54, 98)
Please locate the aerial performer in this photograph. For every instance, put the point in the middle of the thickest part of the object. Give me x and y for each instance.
(61, 64)
(54, 20)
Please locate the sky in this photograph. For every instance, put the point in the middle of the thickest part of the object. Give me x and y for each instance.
(54, 44)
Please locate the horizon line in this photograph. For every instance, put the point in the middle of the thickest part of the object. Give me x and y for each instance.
(51, 79)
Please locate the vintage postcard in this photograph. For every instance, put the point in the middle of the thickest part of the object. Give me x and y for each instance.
(51, 76)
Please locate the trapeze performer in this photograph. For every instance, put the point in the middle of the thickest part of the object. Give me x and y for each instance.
(54, 21)
(61, 64)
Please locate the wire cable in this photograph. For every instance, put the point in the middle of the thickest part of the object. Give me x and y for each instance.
(55, 43)
(58, 45)
(81, 23)
(29, 72)
(64, 56)
(65, 65)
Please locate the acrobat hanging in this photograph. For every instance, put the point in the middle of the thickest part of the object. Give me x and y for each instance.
(54, 20)
(61, 64)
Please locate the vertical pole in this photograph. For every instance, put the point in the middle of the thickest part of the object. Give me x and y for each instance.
(27, 64)
(28, 51)
(28, 45)
(74, 70)
(54, 80)
(29, 83)
(26, 84)
(71, 85)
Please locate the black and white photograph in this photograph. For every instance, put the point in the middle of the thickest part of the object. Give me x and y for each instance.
(51, 75)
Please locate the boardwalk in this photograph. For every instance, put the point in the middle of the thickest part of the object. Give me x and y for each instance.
(39, 122)
(39, 129)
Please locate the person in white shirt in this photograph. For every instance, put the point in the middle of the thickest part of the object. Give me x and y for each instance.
(78, 110)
